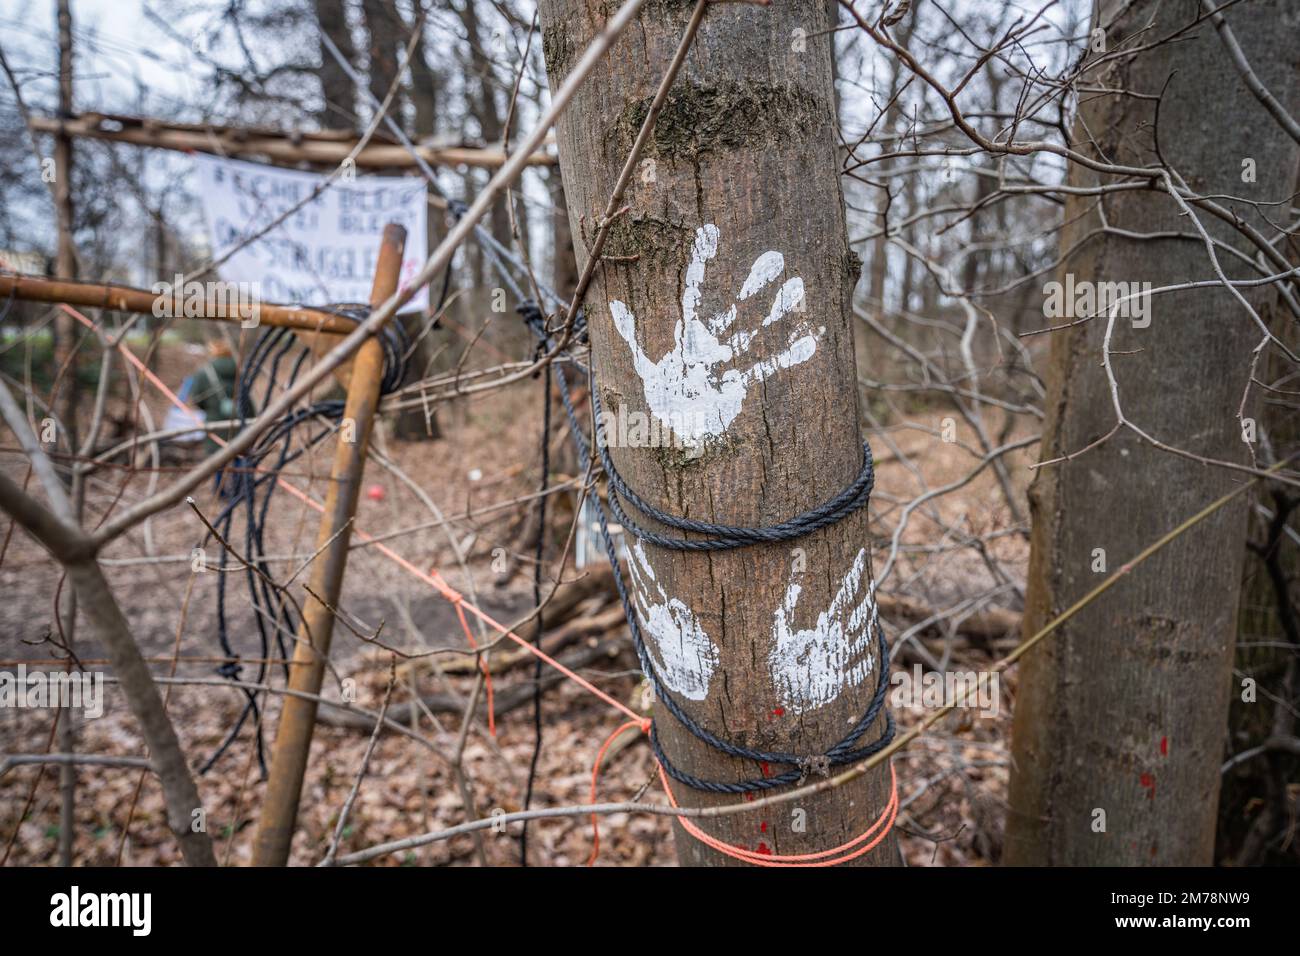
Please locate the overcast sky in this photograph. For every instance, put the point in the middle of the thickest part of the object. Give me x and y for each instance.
(118, 51)
(128, 62)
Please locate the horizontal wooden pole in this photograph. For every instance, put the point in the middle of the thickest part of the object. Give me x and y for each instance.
(278, 147)
(123, 298)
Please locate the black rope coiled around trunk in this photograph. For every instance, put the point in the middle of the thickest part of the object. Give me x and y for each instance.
(724, 537)
(851, 499)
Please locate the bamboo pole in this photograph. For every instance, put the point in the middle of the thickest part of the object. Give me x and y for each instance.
(123, 298)
(67, 400)
(298, 718)
(280, 148)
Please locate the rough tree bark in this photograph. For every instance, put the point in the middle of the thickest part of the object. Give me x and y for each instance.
(65, 357)
(1124, 711)
(736, 204)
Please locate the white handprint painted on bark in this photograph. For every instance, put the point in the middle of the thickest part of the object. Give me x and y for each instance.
(685, 657)
(812, 667)
(690, 390)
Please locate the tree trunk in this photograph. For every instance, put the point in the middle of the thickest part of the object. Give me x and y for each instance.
(488, 114)
(1120, 718)
(564, 265)
(339, 99)
(388, 35)
(426, 86)
(767, 647)
(65, 358)
(878, 280)
(426, 96)
(54, 529)
(1268, 636)
(65, 264)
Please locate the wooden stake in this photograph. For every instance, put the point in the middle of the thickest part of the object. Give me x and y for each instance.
(298, 718)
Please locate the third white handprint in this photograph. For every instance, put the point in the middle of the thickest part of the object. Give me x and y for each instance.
(809, 667)
(812, 666)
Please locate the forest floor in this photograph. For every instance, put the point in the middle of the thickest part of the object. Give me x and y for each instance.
(952, 781)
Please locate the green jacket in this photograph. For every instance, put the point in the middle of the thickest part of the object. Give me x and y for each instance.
(214, 394)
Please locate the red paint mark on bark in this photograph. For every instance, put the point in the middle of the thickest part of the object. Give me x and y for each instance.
(762, 848)
(778, 712)
(1148, 782)
(762, 827)
(1164, 746)
(767, 770)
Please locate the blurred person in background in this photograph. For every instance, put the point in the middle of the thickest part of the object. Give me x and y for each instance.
(209, 397)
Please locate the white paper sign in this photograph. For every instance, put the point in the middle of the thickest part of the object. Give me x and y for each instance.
(323, 253)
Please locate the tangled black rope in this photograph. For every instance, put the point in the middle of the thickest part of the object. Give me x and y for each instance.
(855, 496)
(243, 487)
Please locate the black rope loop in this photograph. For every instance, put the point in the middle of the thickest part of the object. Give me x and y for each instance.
(393, 338)
(533, 317)
(241, 484)
(725, 537)
(854, 497)
(841, 753)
